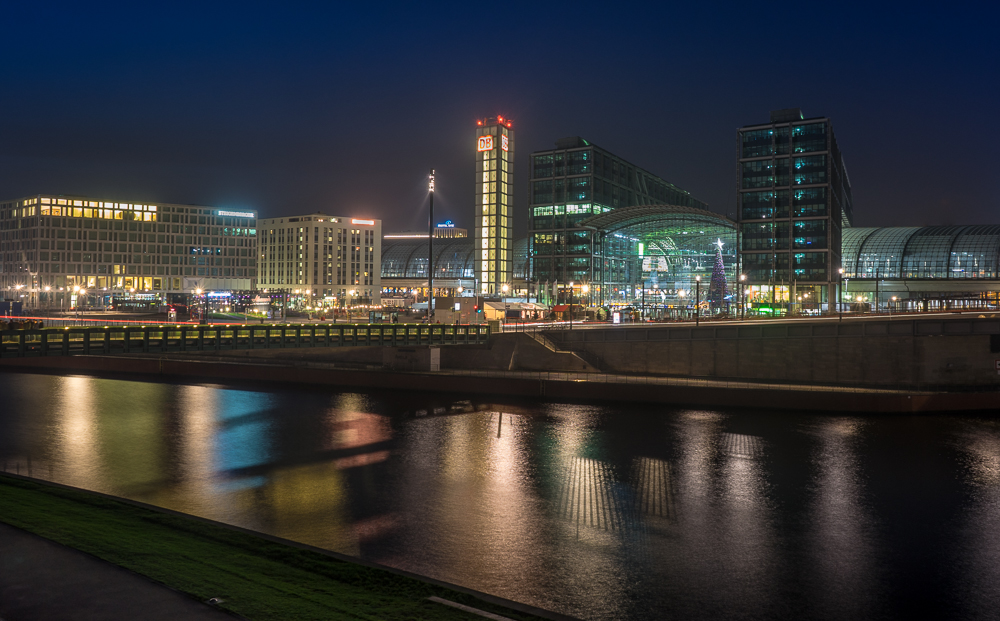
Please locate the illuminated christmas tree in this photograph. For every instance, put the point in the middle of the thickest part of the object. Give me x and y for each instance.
(718, 290)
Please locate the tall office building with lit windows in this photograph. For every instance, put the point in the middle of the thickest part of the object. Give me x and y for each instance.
(494, 199)
(794, 200)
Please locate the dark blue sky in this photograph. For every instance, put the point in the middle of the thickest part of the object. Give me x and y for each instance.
(344, 107)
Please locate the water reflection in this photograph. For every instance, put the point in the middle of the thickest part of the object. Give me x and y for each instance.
(977, 550)
(842, 550)
(598, 512)
(75, 437)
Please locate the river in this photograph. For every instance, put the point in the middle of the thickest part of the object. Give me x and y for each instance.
(596, 511)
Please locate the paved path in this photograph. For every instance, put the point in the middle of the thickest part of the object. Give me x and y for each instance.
(41, 580)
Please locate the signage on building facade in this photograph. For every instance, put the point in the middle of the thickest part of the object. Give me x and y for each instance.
(485, 143)
(368, 222)
(447, 224)
(503, 142)
(237, 214)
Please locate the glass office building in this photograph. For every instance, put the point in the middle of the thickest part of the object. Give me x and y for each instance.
(794, 202)
(572, 183)
(494, 200)
(54, 247)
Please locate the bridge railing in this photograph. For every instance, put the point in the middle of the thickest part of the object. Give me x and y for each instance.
(119, 339)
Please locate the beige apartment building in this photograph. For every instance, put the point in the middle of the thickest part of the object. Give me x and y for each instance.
(330, 259)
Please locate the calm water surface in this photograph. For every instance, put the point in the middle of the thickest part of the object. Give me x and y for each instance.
(601, 512)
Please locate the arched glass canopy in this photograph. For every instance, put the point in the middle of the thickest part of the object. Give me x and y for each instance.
(453, 258)
(929, 252)
(670, 245)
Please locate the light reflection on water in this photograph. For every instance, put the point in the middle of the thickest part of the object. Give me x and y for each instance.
(601, 512)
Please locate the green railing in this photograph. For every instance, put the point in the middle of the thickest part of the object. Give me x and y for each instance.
(118, 339)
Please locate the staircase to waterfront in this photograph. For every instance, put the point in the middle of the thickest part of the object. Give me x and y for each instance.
(555, 347)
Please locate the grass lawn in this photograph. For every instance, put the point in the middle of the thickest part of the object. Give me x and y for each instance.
(255, 577)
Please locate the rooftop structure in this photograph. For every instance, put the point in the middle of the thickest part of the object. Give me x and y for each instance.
(444, 230)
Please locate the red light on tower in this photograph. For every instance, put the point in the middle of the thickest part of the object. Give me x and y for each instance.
(479, 122)
(500, 118)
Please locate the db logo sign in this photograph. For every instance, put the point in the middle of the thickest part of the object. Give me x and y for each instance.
(485, 143)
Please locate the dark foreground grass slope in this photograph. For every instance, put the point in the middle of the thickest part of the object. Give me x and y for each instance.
(256, 578)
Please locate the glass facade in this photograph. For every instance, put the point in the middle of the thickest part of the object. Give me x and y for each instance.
(656, 249)
(949, 252)
(794, 202)
(494, 199)
(577, 181)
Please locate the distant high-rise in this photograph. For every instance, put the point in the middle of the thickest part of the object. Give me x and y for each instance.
(793, 202)
(494, 198)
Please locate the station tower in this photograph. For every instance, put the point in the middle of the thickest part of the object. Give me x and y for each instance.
(494, 200)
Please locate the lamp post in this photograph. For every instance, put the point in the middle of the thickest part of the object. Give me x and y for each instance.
(204, 307)
(430, 248)
(571, 305)
(742, 296)
(697, 300)
(642, 313)
(585, 289)
(893, 300)
(840, 296)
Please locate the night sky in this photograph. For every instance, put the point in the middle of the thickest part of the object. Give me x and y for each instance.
(343, 107)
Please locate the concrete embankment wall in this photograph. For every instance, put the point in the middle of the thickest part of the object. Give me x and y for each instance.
(503, 352)
(911, 353)
(555, 388)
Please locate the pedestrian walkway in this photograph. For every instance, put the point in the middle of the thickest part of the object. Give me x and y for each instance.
(41, 580)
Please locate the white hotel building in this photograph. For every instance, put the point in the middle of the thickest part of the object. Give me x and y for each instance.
(322, 257)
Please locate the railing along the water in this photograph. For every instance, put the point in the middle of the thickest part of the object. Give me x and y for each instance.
(123, 339)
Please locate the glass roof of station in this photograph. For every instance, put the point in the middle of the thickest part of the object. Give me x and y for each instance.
(676, 243)
(969, 251)
(453, 258)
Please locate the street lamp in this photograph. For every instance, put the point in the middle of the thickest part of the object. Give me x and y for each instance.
(697, 300)
(586, 290)
(840, 296)
(893, 299)
(204, 306)
(430, 246)
(743, 295)
(571, 305)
